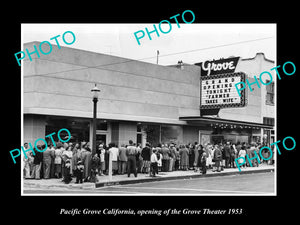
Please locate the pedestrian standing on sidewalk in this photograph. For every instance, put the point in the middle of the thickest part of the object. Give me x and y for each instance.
(247, 148)
(131, 159)
(101, 154)
(227, 154)
(198, 155)
(37, 162)
(27, 161)
(217, 158)
(172, 157)
(67, 171)
(52, 167)
(146, 153)
(139, 158)
(67, 167)
(106, 159)
(209, 153)
(184, 157)
(159, 159)
(203, 162)
(79, 171)
(257, 147)
(122, 159)
(232, 156)
(86, 156)
(94, 168)
(57, 161)
(222, 162)
(47, 162)
(265, 153)
(75, 156)
(252, 151)
(191, 156)
(242, 153)
(153, 160)
(177, 159)
(114, 153)
(165, 158)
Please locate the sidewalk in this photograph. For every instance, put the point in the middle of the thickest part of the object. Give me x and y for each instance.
(141, 178)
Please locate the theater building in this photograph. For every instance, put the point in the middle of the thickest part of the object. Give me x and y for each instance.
(142, 102)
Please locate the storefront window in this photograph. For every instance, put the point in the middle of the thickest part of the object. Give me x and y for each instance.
(101, 125)
(270, 93)
(79, 128)
(171, 134)
(139, 133)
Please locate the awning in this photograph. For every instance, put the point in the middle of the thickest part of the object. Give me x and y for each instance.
(194, 120)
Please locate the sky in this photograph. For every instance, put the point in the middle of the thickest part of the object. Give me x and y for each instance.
(191, 43)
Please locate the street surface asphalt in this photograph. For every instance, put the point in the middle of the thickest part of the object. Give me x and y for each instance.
(244, 184)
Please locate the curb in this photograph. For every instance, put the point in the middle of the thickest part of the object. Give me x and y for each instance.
(191, 176)
(83, 186)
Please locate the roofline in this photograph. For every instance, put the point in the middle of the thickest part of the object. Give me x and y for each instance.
(259, 53)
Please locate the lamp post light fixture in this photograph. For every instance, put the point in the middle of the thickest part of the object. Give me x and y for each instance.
(95, 92)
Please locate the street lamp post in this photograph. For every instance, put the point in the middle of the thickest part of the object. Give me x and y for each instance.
(95, 92)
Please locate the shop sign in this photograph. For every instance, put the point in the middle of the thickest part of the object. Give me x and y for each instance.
(219, 91)
(220, 66)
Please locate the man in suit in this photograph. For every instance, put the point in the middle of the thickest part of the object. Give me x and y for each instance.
(146, 154)
(227, 154)
(218, 158)
(122, 159)
(131, 158)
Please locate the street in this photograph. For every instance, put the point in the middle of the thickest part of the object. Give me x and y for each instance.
(244, 184)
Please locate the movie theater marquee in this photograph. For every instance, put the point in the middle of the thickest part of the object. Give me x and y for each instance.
(218, 91)
(218, 81)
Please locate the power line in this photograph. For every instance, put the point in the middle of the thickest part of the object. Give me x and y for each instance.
(131, 60)
(217, 46)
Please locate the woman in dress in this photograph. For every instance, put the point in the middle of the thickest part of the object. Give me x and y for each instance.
(57, 160)
(184, 157)
(242, 153)
(67, 158)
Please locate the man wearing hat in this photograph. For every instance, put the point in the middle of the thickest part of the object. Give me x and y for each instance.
(79, 171)
(131, 158)
(37, 162)
(146, 153)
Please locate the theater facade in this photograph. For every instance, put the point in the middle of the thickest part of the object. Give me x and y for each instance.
(143, 102)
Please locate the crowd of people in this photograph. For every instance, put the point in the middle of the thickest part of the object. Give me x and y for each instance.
(75, 160)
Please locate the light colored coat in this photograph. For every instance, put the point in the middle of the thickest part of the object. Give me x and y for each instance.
(184, 156)
(86, 157)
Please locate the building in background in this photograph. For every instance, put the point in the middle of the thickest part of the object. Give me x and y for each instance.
(139, 101)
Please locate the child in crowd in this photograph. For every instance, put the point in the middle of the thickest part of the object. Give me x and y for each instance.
(94, 168)
(67, 169)
(79, 171)
(153, 165)
(159, 160)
